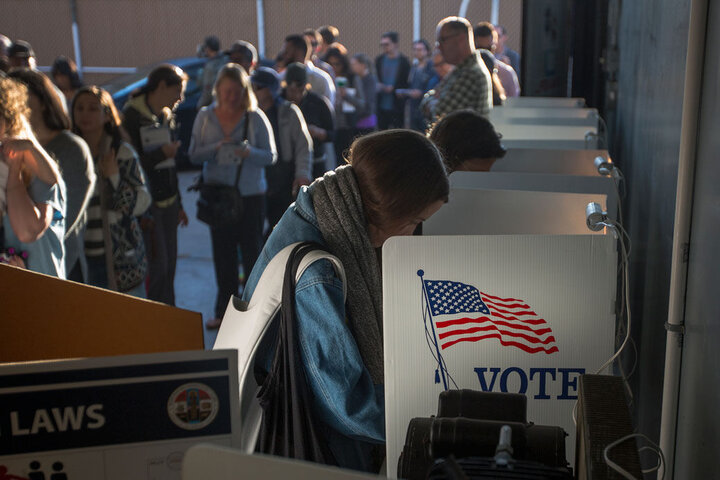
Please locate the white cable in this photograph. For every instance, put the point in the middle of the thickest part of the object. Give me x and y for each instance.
(621, 470)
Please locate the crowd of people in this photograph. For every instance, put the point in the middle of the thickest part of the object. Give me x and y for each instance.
(91, 194)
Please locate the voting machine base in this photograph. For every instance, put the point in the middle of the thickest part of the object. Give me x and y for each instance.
(449, 442)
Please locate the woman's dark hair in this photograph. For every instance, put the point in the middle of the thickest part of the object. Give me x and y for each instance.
(113, 124)
(38, 84)
(170, 74)
(400, 173)
(425, 44)
(365, 60)
(464, 135)
(65, 66)
(344, 61)
(329, 34)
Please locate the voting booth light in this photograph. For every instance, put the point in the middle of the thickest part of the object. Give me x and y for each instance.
(504, 313)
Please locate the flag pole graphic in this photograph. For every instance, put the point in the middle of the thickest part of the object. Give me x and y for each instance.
(432, 325)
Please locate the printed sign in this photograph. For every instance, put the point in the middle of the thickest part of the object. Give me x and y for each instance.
(114, 417)
(522, 314)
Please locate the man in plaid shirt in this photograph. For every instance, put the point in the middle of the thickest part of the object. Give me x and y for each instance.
(469, 84)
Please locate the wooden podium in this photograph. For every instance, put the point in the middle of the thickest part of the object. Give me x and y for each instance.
(44, 318)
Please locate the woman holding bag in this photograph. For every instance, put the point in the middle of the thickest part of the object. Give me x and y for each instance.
(395, 180)
(114, 245)
(233, 141)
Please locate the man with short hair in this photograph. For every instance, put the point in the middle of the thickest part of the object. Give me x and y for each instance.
(211, 50)
(4, 47)
(293, 142)
(486, 37)
(469, 84)
(21, 54)
(505, 53)
(317, 111)
(297, 49)
(314, 38)
(393, 71)
(329, 35)
(244, 54)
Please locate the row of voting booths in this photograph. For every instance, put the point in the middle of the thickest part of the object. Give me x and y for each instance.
(507, 290)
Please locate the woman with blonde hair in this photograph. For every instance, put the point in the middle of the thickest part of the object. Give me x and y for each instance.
(233, 141)
(114, 246)
(32, 193)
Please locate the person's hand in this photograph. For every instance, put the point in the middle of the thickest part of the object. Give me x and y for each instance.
(17, 151)
(415, 93)
(244, 151)
(15, 261)
(182, 218)
(108, 164)
(388, 88)
(299, 182)
(170, 149)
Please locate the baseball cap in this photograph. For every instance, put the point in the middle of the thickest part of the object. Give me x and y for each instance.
(21, 48)
(295, 73)
(266, 77)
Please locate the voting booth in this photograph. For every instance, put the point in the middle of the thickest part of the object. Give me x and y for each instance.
(577, 184)
(545, 116)
(522, 314)
(115, 418)
(555, 161)
(544, 102)
(487, 212)
(548, 136)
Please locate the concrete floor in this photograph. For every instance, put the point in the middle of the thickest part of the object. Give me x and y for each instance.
(195, 287)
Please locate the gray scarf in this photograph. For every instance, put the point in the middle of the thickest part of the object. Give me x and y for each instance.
(339, 210)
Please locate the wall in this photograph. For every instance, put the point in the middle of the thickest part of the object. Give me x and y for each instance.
(645, 139)
(129, 33)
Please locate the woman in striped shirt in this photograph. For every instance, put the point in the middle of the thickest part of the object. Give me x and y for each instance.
(113, 241)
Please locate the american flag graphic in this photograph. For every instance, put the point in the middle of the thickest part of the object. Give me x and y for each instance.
(461, 313)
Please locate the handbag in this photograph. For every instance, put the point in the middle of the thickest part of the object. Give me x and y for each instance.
(222, 205)
(280, 401)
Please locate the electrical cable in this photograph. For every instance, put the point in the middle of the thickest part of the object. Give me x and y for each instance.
(654, 447)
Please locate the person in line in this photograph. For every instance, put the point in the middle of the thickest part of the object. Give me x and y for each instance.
(366, 118)
(468, 141)
(435, 85)
(51, 126)
(420, 75)
(5, 44)
(297, 49)
(393, 69)
(244, 54)
(504, 53)
(293, 142)
(317, 111)
(314, 38)
(469, 84)
(114, 245)
(210, 49)
(150, 122)
(486, 38)
(395, 180)
(223, 123)
(22, 55)
(65, 75)
(329, 34)
(32, 199)
(350, 99)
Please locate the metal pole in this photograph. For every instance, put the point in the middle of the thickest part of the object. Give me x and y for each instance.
(681, 234)
(260, 27)
(76, 37)
(495, 12)
(463, 8)
(416, 20)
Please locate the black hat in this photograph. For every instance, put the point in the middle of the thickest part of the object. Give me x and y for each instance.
(296, 73)
(266, 77)
(20, 48)
(212, 42)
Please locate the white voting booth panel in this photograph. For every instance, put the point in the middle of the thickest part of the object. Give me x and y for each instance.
(563, 161)
(539, 183)
(548, 136)
(115, 418)
(210, 462)
(544, 102)
(505, 212)
(521, 314)
(544, 116)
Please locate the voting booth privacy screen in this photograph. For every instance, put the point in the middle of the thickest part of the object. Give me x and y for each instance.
(522, 314)
(115, 418)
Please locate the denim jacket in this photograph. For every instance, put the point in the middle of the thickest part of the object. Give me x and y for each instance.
(345, 399)
(207, 135)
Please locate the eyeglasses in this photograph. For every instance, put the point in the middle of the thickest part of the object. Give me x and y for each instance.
(444, 39)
